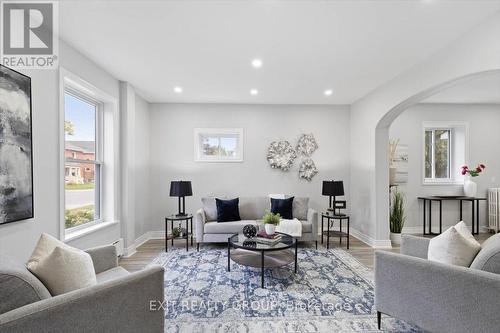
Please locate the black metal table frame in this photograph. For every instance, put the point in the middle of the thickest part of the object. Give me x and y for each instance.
(474, 212)
(230, 244)
(340, 233)
(188, 219)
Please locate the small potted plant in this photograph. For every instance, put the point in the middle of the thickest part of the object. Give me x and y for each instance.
(397, 218)
(470, 187)
(270, 221)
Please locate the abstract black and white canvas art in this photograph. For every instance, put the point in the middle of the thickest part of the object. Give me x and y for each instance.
(16, 162)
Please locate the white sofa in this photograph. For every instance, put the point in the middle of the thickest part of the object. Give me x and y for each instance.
(252, 209)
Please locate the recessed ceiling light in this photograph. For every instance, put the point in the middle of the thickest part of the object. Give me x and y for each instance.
(254, 92)
(257, 63)
(328, 92)
(178, 90)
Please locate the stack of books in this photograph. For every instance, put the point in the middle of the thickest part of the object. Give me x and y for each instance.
(263, 238)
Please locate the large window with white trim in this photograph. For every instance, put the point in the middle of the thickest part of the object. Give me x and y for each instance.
(83, 159)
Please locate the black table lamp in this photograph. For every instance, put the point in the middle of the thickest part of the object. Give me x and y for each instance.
(181, 189)
(333, 189)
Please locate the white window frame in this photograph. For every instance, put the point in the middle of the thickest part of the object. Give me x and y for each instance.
(198, 149)
(454, 161)
(97, 161)
(108, 147)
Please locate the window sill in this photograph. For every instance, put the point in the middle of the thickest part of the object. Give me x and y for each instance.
(438, 183)
(85, 231)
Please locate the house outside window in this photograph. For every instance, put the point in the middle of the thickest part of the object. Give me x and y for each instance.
(82, 177)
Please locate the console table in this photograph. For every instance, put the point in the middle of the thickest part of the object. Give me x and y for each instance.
(435, 198)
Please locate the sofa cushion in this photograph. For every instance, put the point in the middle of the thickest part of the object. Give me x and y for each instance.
(228, 210)
(453, 248)
(111, 274)
(254, 208)
(65, 270)
(282, 207)
(18, 286)
(488, 259)
(233, 227)
(210, 209)
(300, 207)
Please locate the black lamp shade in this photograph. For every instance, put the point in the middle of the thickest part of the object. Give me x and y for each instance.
(333, 188)
(180, 189)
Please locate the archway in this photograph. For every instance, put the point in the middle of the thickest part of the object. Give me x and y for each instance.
(382, 143)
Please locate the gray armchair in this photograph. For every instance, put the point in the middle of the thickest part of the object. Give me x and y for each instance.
(120, 302)
(439, 297)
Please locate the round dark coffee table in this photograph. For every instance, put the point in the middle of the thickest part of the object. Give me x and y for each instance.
(253, 254)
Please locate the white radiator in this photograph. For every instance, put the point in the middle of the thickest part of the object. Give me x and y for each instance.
(494, 209)
(119, 247)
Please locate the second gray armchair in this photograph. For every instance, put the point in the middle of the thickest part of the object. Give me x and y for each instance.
(439, 297)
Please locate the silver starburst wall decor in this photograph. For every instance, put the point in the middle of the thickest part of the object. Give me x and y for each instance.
(307, 169)
(281, 155)
(306, 145)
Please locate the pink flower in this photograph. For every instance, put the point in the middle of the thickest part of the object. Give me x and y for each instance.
(465, 167)
(464, 172)
(482, 166)
(478, 169)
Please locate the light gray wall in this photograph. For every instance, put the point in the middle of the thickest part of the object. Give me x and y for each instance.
(484, 140)
(142, 183)
(171, 150)
(18, 239)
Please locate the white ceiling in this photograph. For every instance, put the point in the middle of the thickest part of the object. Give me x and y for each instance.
(481, 90)
(306, 47)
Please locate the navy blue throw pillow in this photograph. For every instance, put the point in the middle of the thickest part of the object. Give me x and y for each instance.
(282, 207)
(228, 210)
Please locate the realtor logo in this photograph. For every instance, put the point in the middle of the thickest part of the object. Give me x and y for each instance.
(29, 36)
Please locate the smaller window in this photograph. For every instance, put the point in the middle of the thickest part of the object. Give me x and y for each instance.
(218, 144)
(437, 154)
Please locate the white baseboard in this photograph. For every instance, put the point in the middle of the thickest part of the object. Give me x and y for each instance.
(375, 243)
(141, 240)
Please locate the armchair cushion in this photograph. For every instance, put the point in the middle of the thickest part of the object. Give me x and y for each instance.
(45, 245)
(65, 270)
(488, 259)
(451, 247)
(111, 274)
(103, 257)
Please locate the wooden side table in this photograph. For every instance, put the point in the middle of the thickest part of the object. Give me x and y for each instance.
(330, 217)
(189, 221)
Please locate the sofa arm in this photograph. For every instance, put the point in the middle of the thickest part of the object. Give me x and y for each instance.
(434, 296)
(200, 225)
(312, 217)
(414, 246)
(103, 257)
(120, 305)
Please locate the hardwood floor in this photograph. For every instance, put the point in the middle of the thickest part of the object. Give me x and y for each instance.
(149, 250)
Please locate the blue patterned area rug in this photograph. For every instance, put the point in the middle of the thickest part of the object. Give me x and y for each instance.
(331, 292)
